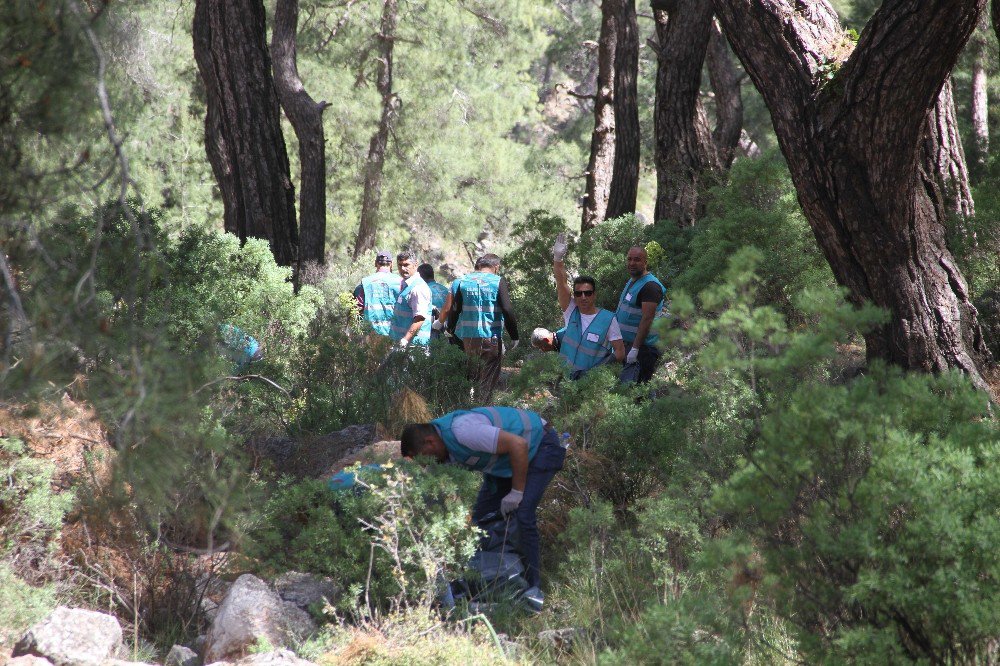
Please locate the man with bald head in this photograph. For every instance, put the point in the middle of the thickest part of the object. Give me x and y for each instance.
(639, 303)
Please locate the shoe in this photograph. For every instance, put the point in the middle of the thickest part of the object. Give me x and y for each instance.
(534, 599)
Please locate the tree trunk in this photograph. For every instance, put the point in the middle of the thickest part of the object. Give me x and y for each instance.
(625, 174)
(243, 125)
(853, 148)
(943, 168)
(306, 117)
(368, 227)
(980, 103)
(600, 169)
(725, 81)
(685, 150)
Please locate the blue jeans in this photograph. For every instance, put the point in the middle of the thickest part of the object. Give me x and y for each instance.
(543, 467)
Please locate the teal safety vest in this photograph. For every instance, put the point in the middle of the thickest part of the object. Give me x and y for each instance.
(479, 317)
(439, 294)
(402, 316)
(381, 290)
(586, 349)
(516, 421)
(629, 312)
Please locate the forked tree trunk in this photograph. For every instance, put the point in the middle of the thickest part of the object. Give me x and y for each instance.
(375, 164)
(243, 126)
(943, 169)
(625, 175)
(306, 117)
(853, 146)
(725, 81)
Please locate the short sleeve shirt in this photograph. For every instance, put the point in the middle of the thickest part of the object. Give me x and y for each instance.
(614, 331)
(420, 299)
(476, 432)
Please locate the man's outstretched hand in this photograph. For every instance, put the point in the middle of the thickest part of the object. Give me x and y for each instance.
(559, 248)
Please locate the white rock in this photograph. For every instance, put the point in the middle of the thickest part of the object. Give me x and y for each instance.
(181, 656)
(28, 660)
(273, 658)
(250, 614)
(72, 637)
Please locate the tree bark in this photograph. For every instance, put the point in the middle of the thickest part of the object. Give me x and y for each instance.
(368, 227)
(685, 150)
(625, 174)
(853, 146)
(600, 169)
(306, 117)
(980, 101)
(243, 127)
(943, 168)
(725, 81)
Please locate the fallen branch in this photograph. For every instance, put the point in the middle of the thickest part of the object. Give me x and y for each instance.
(245, 378)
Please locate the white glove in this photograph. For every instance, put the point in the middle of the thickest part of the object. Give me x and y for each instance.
(437, 325)
(513, 345)
(511, 501)
(403, 344)
(632, 356)
(559, 248)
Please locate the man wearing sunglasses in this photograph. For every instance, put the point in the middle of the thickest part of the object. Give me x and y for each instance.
(591, 335)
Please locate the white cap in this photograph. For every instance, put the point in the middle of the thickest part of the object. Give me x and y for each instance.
(540, 334)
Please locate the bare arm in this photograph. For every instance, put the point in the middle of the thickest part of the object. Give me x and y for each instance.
(619, 348)
(648, 313)
(418, 321)
(516, 447)
(445, 309)
(562, 288)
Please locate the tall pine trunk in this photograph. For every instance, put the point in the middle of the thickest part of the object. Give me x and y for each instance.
(243, 136)
(980, 101)
(853, 146)
(306, 117)
(375, 164)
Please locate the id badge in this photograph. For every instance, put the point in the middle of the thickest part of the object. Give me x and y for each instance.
(593, 337)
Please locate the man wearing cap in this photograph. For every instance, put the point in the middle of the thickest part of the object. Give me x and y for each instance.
(440, 299)
(639, 303)
(591, 335)
(517, 452)
(377, 293)
(481, 309)
(411, 313)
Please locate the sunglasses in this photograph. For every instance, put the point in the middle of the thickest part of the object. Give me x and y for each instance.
(578, 294)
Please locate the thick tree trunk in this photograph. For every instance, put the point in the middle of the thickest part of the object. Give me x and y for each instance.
(725, 81)
(306, 117)
(980, 102)
(685, 150)
(853, 148)
(600, 169)
(243, 125)
(625, 175)
(368, 227)
(943, 168)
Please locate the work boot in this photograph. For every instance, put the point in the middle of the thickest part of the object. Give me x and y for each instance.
(533, 599)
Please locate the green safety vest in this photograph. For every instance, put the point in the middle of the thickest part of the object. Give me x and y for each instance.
(439, 294)
(381, 290)
(629, 313)
(586, 349)
(402, 316)
(516, 421)
(479, 317)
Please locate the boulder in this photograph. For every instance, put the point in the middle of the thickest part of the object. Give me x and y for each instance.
(273, 658)
(28, 660)
(317, 457)
(306, 590)
(251, 614)
(72, 637)
(181, 656)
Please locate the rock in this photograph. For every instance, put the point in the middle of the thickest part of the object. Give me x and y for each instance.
(306, 590)
(72, 637)
(277, 449)
(559, 638)
(387, 449)
(274, 658)
(181, 656)
(317, 457)
(252, 613)
(28, 660)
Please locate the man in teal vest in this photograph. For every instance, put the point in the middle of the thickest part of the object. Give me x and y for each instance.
(518, 454)
(440, 299)
(591, 335)
(377, 293)
(411, 314)
(639, 303)
(481, 309)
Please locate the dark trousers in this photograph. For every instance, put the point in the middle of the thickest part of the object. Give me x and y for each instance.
(649, 357)
(543, 467)
(483, 361)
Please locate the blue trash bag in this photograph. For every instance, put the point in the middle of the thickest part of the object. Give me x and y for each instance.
(347, 480)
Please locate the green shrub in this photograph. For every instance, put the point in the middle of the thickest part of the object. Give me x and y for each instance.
(21, 604)
(409, 527)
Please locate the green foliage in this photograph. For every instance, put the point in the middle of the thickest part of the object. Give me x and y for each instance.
(529, 270)
(408, 526)
(21, 604)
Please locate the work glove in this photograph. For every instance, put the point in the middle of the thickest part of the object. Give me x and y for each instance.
(437, 325)
(513, 345)
(511, 501)
(559, 248)
(632, 356)
(403, 344)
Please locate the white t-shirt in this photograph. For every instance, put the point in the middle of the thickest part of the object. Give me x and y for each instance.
(614, 331)
(420, 296)
(476, 432)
